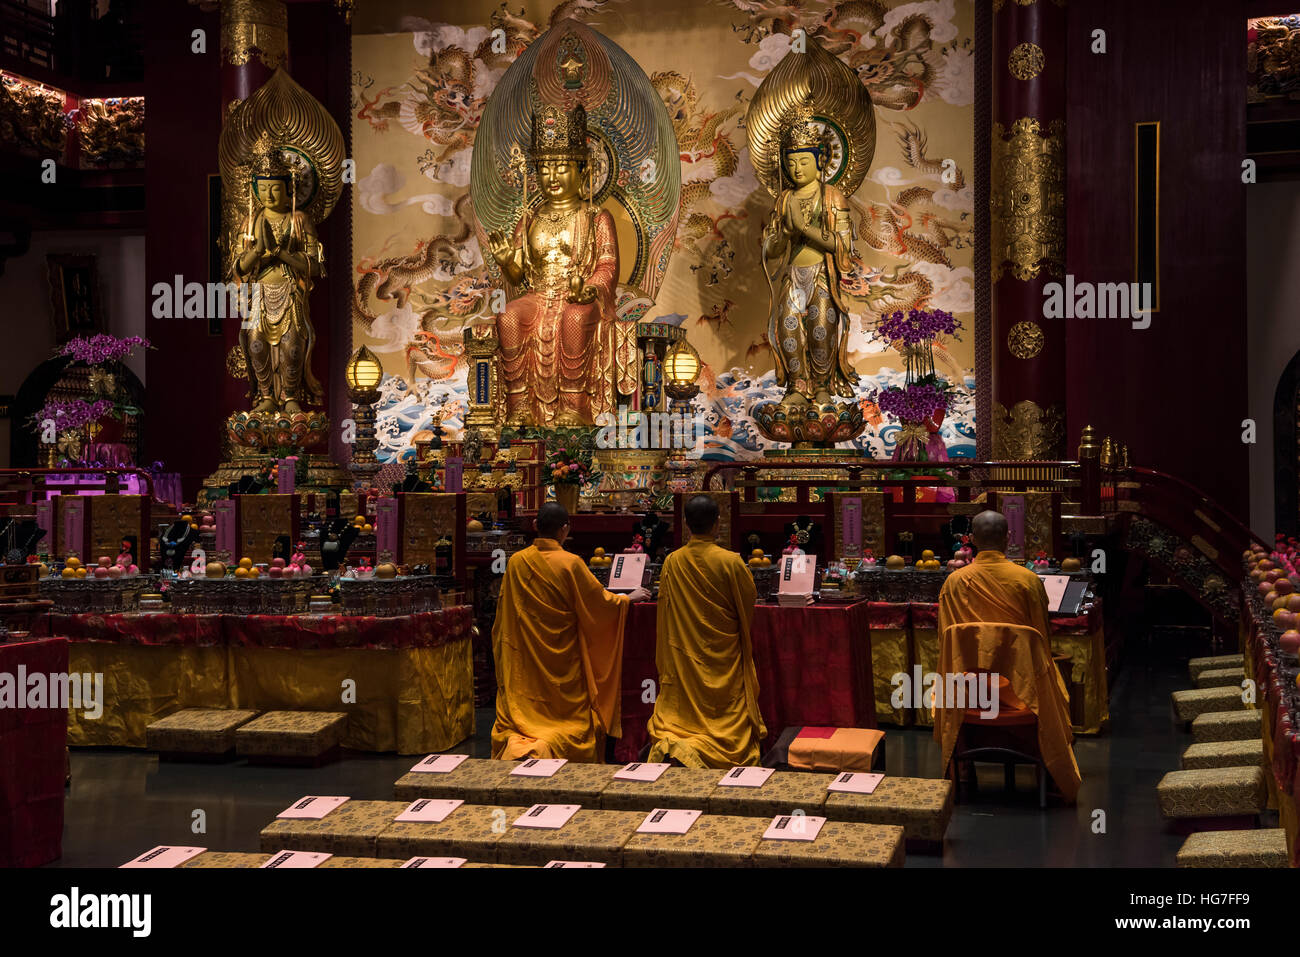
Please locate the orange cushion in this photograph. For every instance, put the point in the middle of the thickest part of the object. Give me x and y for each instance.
(845, 749)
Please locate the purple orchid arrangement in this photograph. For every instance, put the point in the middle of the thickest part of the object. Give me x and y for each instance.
(914, 403)
(73, 414)
(919, 325)
(102, 348)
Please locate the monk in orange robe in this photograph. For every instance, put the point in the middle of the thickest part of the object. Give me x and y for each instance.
(995, 590)
(558, 644)
(706, 710)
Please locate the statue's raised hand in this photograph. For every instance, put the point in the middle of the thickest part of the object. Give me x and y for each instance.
(501, 248)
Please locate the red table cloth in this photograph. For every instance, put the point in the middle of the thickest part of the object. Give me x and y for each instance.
(814, 668)
(32, 756)
(424, 630)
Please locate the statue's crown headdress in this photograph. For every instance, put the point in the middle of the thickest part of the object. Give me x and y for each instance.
(559, 133)
(803, 133)
(269, 162)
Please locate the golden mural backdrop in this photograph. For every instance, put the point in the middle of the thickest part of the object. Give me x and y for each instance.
(420, 87)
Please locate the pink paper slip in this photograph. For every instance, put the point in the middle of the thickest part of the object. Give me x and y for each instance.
(1055, 585)
(429, 810)
(540, 767)
(663, 821)
(638, 771)
(572, 864)
(434, 862)
(549, 816)
(627, 572)
(311, 808)
(794, 827)
(297, 859)
(746, 777)
(855, 782)
(165, 856)
(440, 763)
(797, 572)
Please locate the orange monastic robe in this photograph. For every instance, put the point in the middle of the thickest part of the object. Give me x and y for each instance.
(706, 712)
(558, 643)
(993, 589)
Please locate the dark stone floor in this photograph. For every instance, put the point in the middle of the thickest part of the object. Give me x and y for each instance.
(122, 802)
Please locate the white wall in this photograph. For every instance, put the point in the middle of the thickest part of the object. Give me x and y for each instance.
(26, 321)
(1272, 326)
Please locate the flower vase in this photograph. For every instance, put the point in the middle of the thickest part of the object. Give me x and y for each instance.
(566, 494)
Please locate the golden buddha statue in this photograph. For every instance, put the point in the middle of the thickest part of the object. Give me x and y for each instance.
(557, 342)
(807, 244)
(812, 134)
(280, 256)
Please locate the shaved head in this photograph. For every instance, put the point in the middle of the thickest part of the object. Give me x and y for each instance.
(701, 514)
(988, 530)
(551, 517)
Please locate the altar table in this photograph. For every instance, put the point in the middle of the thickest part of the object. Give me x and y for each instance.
(1281, 744)
(32, 761)
(832, 665)
(1081, 637)
(412, 676)
(814, 668)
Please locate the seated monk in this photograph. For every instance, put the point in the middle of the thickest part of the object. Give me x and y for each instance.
(706, 712)
(995, 590)
(558, 644)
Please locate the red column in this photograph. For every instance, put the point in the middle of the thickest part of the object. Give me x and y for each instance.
(1027, 226)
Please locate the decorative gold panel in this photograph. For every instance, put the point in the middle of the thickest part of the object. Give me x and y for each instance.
(1038, 523)
(254, 28)
(1026, 61)
(1027, 199)
(1026, 339)
(1028, 432)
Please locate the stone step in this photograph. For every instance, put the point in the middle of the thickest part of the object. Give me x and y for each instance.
(1212, 792)
(1188, 705)
(1197, 665)
(1261, 847)
(1219, 678)
(1224, 754)
(1227, 726)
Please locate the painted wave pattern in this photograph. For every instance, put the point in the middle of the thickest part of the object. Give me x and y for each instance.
(730, 435)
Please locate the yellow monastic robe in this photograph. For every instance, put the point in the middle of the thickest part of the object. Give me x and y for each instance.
(706, 712)
(558, 643)
(993, 589)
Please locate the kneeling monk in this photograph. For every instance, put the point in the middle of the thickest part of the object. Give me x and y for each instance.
(558, 644)
(706, 712)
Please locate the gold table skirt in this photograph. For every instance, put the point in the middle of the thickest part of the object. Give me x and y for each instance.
(408, 700)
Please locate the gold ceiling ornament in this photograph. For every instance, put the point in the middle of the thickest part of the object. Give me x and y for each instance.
(1028, 432)
(255, 29)
(236, 365)
(1026, 61)
(308, 138)
(1027, 199)
(1025, 339)
(841, 109)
